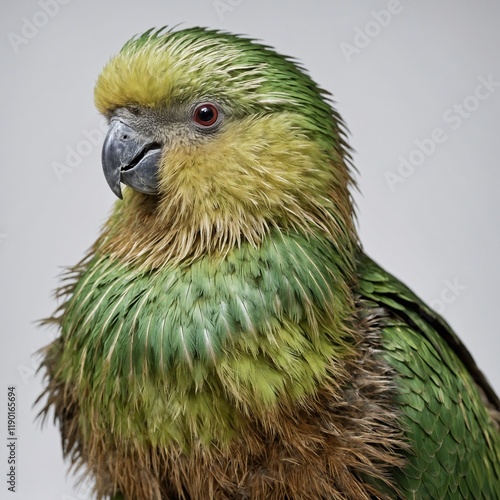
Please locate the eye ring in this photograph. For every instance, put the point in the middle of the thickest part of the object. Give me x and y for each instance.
(206, 114)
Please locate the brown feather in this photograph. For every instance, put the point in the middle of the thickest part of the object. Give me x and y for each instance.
(338, 443)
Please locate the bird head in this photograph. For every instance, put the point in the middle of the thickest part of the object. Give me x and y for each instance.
(219, 140)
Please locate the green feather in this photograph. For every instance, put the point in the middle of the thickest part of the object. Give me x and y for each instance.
(454, 443)
(259, 326)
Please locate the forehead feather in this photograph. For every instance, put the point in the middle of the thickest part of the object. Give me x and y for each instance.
(158, 69)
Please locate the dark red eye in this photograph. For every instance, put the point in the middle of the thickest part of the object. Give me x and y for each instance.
(206, 114)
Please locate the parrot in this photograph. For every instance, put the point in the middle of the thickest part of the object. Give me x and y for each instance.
(226, 336)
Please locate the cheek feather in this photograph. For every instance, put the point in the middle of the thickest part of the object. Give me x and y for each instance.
(246, 164)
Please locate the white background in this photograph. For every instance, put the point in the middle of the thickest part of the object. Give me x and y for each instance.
(439, 226)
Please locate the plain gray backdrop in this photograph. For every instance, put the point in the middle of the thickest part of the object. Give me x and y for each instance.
(407, 77)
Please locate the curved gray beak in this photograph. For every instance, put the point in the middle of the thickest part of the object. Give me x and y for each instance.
(131, 158)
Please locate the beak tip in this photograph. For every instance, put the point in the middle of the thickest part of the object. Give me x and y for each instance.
(118, 191)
